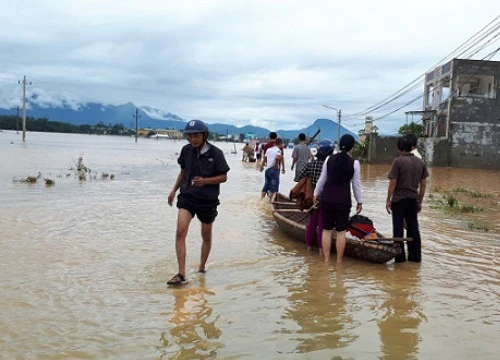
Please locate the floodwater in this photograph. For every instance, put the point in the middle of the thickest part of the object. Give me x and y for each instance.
(84, 267)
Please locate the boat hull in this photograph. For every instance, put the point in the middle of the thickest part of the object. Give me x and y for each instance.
(294, 223)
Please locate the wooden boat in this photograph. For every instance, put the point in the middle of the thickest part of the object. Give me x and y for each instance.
(293, 222)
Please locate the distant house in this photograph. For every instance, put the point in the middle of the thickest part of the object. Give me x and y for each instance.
(143, 132)
(100, 128)
(250, 136)
(161, 133)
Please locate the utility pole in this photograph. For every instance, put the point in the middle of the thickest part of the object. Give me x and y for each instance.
(339, 113)
(24, 105)
(137, 116)
(339, 116)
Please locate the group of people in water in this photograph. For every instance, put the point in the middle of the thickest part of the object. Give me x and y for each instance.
(334, 175)
(204, 168)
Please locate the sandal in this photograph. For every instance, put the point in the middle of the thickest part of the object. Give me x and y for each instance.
(178, 279)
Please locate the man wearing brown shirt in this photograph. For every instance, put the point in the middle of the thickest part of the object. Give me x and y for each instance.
(406, 192)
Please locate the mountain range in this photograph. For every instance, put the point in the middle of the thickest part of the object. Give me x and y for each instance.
(93, 113)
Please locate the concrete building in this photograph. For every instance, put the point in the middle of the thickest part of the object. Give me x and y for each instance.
(369, 128)
(170, 134)
(461, 114)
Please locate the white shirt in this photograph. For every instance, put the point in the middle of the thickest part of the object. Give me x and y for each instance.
(355, 181)
(416, 153)
(271, 154)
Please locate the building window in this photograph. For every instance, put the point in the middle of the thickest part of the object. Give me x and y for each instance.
(476, 86)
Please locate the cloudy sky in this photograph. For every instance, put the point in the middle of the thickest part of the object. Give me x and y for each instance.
(268, 63)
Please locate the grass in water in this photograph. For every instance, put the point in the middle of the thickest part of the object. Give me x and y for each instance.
(477, 225)
(454, 203)
(474, 194)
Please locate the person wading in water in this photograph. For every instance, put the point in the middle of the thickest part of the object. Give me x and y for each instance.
(203, 168)
(334, 188)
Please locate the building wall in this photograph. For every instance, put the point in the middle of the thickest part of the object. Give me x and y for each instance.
(383, 149)
(474, 133)
(435, 151)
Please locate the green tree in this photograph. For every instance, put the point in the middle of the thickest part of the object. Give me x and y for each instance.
(412, 127)
(117, 129)
(360, 151)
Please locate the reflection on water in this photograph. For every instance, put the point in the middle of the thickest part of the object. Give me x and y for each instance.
(192, 333)
(319, 308)
(402, 314)
(84, 267)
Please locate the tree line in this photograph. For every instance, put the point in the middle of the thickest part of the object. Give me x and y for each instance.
(12, 122)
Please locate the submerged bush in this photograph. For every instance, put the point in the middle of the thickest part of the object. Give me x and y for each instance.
(477, 225)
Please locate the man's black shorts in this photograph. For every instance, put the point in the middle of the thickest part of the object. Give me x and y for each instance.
(206, 211)
(335, 216)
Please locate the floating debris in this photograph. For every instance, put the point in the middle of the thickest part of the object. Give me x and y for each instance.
(81, 172)
(29, 179)
(49, 182)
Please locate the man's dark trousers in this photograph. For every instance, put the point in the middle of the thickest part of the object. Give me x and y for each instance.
(407, 209)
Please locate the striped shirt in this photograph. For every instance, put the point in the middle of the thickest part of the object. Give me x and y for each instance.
(313, 170)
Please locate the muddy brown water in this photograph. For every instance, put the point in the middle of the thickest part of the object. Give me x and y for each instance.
(84, 267)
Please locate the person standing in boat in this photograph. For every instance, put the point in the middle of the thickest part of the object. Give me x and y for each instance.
(301, 155)
(203, 169)
(334, 190)
(408, 180)
(314, 230)
(272, 162)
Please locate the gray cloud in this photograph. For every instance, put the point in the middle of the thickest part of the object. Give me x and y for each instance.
(266, 63)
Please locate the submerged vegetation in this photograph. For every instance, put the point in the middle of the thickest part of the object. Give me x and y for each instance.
(479, 225)
(29, 179)
(462, 203)
(80, 172)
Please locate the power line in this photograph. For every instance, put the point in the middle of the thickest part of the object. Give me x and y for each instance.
(405, 89)
(482, 47)
(486, 58)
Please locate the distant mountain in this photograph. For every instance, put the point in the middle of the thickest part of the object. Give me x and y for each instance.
(329, 130)
(93, 113)
(234, 130)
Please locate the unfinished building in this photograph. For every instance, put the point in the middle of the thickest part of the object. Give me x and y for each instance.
(461, 114)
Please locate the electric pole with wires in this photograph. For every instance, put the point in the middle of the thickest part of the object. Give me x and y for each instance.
(136, 116)
(339, 116)
(24, 83)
